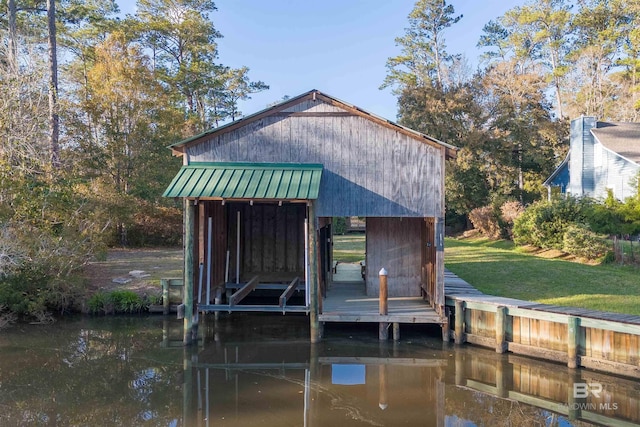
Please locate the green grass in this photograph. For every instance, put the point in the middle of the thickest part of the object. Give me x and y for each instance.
(498, 268)
(349, 247)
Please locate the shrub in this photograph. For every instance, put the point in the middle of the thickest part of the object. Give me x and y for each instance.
(510, 211)
(584, 243)
(127, 301)
(544, 223)
(339, 225)
(486, 221)
(118, 301)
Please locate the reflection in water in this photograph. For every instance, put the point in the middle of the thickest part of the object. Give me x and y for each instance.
(260, 370)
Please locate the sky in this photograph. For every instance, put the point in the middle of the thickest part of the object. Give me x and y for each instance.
(339, 47)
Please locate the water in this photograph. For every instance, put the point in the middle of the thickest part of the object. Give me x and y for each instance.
(261, 370)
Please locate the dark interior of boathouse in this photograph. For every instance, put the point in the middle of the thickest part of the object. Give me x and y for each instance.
(260, 195)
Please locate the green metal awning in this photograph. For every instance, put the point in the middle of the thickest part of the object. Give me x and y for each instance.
(251, 181)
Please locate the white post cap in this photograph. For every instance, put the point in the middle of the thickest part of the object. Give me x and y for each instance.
(382, 272)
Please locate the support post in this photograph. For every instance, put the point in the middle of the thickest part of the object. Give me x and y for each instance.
(313, 276)
(238, 248)
(189, 240)
(501, 329)
(165, 296)
(446, 328)
(209, 256)
(383, 331)
(384, 292)
(459, 332)
(573, 331)
(396, 331)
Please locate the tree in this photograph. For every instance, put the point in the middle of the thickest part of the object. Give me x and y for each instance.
(424, 59)
(129, 113)
(54, 118)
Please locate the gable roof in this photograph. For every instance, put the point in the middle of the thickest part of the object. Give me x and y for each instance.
(179, 147)
(621, 138)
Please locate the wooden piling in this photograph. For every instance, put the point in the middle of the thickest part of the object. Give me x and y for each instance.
(383, 327)
(501, 329)
(396, 331)
(459, 325)
(573, 331)
(165, 296)
(384, 292)
(189, 241)
(313, 277)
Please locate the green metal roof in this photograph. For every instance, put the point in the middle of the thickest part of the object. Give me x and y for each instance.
(279, 181)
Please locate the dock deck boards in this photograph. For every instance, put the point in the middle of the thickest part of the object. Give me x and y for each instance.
(347, 302)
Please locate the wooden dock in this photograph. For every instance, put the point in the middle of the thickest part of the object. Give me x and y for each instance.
(347, 302)
(576, 336)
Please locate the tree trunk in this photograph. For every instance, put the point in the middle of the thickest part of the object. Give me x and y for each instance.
(13, 43)
(54, 120)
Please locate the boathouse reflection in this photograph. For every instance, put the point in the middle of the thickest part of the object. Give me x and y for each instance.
(298, 383)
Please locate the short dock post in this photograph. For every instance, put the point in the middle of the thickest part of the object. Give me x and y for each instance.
(383, 332)
(165, 296)
(384, 293)
(573, 332)
(501, 329)
(396, 331)
(459, 325)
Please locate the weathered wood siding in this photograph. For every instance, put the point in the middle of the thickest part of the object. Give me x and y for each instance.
(369, 170)
(396, 245)
(271, 239)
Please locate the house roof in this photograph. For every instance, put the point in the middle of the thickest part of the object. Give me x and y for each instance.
(247, 181)
(179, 147)
(557, 173)
(621, 138)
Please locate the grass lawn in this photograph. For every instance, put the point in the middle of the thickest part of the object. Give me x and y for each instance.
(348, 247)
(498, 268)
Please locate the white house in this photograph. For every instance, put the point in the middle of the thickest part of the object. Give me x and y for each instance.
(602, 156)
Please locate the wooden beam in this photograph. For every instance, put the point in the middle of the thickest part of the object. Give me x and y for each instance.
(315, 114)
(288, 292)
(241, 293)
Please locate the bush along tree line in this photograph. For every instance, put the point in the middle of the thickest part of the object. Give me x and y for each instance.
(587, 228)
(542, 63)
(90, 100)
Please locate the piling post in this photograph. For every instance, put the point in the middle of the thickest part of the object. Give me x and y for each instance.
(501, 329)
(313, 277)
(165, 296)
(384, 292)
(383, 332)
(189, 239)
(459, 325)
(396, 331)
(573, 334)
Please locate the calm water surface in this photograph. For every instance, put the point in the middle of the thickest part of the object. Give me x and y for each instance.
(261, 370)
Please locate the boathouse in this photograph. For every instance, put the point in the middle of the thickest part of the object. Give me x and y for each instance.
(260, 195)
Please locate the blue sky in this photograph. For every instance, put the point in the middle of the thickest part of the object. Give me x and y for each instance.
(337, 46)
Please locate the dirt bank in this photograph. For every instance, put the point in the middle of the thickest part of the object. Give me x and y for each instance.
(152, 264)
